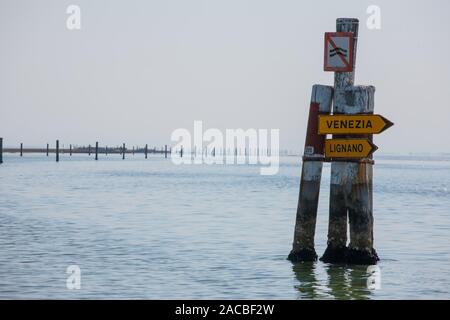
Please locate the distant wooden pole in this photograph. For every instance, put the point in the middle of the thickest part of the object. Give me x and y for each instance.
(123, 151)
(133, 151)
(1, 150)
(146, 151)
(47, 148)
(57, 150)
(106, 150)
(70, 150)
(89, 150)
(313, 157)
(165, 151)
(96, 150)
(181, 152)
(21, 149)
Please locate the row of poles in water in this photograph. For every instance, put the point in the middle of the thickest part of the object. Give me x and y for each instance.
(122, 150)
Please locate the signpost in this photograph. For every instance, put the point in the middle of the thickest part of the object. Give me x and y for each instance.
(349, 148)
(338, 51)
(352, 125)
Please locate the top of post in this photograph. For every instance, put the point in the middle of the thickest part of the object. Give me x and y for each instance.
(348, 23)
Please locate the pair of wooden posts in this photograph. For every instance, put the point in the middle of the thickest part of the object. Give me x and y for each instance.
(351, 184)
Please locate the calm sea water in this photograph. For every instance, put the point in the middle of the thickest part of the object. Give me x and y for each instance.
(149, 229)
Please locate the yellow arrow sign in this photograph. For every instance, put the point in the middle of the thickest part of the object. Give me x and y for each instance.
(349, 148)
(353, 124)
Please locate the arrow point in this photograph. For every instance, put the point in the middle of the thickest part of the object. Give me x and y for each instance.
(387, 124)
(373, 146)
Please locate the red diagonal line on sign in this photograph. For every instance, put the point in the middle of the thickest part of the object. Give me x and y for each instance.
(341, 57)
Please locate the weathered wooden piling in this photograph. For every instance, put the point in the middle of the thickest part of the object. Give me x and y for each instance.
(351, 181)
(57, 151)
(1, 150)
(146, 151)
(123, 151)
(21, 149)
(165, 151)
(106, 150)
(313, 157)
(181, 152)
(47, 149)
(96, 150)
(70, 150)
(132, 152)
(337, 226)
(89, 150)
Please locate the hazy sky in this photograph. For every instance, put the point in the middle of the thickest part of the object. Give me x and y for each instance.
(137, 70)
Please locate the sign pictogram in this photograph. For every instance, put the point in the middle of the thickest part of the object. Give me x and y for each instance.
(338, 51)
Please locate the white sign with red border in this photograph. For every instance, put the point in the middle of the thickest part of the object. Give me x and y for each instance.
(338, 51)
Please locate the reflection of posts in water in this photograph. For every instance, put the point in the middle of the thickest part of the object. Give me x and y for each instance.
(308, 284)
(348, 282)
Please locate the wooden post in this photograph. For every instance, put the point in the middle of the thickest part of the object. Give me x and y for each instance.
(96, 150)
(70, 150)
(146, 150)
(21, 149)
(47, 149)
(123, 151)
(133, 151)
(89, 150)
(1, 150)
(351, 181)
(165, 151)
(181, 152)
(351, 192)
(305, 225)
(106, 150)
(57, 150)
(337, 226)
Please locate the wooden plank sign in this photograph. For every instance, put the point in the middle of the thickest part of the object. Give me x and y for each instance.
(353, 124)
(349, 148)
(338, 55)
